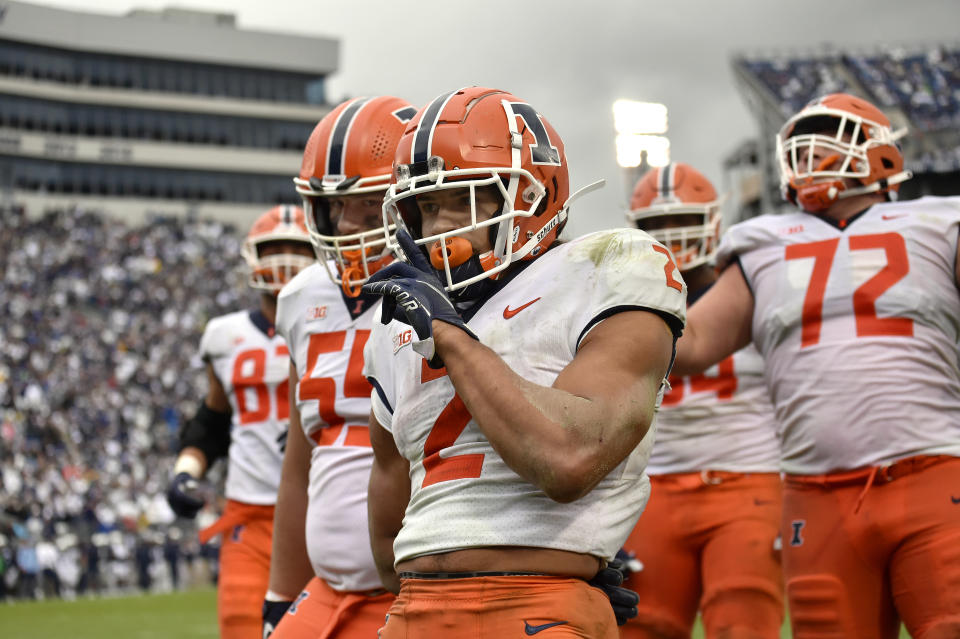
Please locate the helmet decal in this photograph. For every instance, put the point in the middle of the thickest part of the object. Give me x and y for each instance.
(405, 114)
(543, 152)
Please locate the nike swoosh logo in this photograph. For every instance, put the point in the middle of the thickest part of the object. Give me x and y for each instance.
(892, 217)
(532, 630)
(509, 312)
(955, 500)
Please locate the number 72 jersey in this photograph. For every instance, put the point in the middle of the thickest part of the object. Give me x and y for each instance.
(859, 329)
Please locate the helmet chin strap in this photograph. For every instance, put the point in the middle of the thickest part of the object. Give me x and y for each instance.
(816, 198)
(558, 219)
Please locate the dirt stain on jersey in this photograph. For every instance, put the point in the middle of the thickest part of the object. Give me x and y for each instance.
(606, 247)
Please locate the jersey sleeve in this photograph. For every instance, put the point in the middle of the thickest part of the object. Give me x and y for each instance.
(286, 312)
(215, 340)
(625, 270)
(742, 238)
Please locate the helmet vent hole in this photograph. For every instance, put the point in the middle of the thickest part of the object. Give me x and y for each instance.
(379, 146)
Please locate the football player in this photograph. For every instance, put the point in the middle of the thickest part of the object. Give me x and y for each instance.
(853, 303)
(515, 380)
(321, 552)
(244, 418)
(706, 538)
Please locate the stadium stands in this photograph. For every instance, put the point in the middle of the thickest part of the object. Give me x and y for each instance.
(97, 372)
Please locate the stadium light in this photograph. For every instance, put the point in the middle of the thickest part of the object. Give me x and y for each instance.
(639, 118)
(630, 150)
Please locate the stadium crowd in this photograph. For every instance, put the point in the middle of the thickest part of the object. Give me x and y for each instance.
(97, 367)
(925, 85)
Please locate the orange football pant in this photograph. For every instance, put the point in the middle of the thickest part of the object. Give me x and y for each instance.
(867, 548)
(244, 567)
(499, 607)
(707, 542)
(320, 612)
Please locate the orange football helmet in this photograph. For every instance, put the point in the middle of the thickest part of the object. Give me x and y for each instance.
(673, 194)
(860, 144)
(469, 139)
(350, 152)
(280, 224)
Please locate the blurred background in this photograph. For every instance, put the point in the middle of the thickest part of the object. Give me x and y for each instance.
(139, 140)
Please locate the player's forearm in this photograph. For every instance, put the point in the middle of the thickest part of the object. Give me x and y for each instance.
(290, 567)
(562, 443)
(384, 524)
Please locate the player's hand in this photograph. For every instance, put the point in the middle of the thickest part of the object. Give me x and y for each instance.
(413, 294)
(623, 600)
(184, 496)
(272, 613)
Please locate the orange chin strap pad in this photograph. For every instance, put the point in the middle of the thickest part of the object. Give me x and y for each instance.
(458, 250)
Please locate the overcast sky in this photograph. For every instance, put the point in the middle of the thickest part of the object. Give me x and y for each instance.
(572, 59)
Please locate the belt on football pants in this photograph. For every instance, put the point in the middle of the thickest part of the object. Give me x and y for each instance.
(886, 473)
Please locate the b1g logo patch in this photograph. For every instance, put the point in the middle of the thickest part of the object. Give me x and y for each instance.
(796, 539)
(402, 339)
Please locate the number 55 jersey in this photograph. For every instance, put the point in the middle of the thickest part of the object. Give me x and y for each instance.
(858, 325)
(326, 342)
(463, 495)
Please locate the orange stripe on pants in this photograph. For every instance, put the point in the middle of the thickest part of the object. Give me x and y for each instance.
(320, 612)
(498, 608)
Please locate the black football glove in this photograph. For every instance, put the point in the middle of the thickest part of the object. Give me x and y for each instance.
(623, 600)
(184, 496)
(413, 294)
(272, 613)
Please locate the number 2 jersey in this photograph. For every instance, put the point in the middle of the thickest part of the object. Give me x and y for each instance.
(252, 365)
(721, 419)
(326, 347)
(463, 495)
(859, 329)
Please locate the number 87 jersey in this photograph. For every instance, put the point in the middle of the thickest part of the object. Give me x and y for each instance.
(858, 326)
(463, 495)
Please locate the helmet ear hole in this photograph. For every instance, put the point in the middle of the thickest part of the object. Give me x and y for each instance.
(887, 163)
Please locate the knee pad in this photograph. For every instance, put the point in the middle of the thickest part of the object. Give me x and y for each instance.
(745, 607)
(945, 628)
(819, 606)
(653, 624)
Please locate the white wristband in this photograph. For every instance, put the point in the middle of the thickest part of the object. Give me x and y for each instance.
(188, 464)
(273, 596)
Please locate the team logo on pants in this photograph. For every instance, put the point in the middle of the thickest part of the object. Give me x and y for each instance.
(797, 525)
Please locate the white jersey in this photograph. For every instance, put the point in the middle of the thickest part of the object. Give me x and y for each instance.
(251, 364)
(463, 495)
(721, 419)
(333, 397)
(859, 331)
